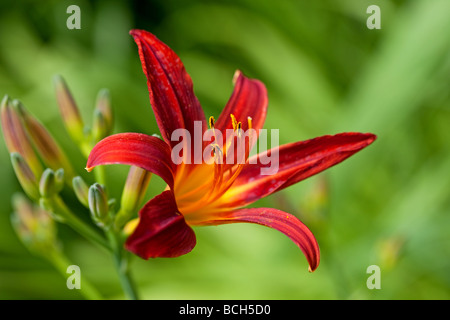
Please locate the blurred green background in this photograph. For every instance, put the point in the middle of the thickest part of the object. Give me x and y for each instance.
(326, 72)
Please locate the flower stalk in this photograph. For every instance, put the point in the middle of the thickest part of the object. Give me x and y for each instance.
(37, 231)
(29, 142)
(198, 193)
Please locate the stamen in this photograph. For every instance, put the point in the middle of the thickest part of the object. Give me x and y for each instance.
(239, 129)
(218, 167)
(233, 121)
(224, 173)
(211, 122)
(250, 136)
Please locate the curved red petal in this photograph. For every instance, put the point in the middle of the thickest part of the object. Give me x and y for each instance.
(162, 231)
(284, 222)
(295, 162)
(137, 149)
(249, 99)
(170, 86)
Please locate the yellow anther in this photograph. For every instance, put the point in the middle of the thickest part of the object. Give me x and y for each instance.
(211, 122)
(239, 129)
(233, 121)
(250, 125)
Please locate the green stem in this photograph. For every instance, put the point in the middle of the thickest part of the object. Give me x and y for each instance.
(61, 263)
(116, 245)
(78, 225)
(121, 264)
(100, 175)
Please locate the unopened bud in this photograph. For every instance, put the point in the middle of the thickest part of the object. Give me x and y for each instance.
(98, 204)
(99, 127)
(47, 183)
(59, 179)
(133, 194)
(81, 190)
(24, 212)
(26, 177)
(47, 147)
(33, 225)
(103, 106)
(16, 137)
(69, 110)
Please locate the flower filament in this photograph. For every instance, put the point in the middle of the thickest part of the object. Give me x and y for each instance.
(227, 163)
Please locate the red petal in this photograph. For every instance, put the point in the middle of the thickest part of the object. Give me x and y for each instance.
(170, 86)
(296, 162)
(281, 221)
(249, 99)
(137, 149)
(162, 231)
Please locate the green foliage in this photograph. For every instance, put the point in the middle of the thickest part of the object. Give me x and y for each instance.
(325, 71)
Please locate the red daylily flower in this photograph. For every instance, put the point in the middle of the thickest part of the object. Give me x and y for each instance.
(212, 194)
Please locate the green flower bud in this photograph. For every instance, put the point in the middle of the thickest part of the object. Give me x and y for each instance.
(59, 179)
(47, 147)
(16, 137)
(33, 225)
(99, 127)
(47, 183)
(69, 110)
(26, 177)
(81, 190)
(103, 105)
(98, 205)
(133, 194)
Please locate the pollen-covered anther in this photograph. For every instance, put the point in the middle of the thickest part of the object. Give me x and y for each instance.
(211, 122)
(233, 122)
(250, 124)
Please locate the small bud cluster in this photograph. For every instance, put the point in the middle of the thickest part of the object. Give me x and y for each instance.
(45, 172)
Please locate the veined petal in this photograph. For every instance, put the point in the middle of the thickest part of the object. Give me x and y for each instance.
(247, 109)
(295, 162)
(279, 220)
(162, 230)
(137, 149)
(249, 99)
(170, 86)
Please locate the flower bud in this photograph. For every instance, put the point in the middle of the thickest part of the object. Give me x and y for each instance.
(59, 179)
(103, 107)
(26, 177)
(69, 110)
(47, 183)
(33, 225)
(81, 190)
(98, 204)
(99, 127)
(47, 147)
(133, 194)
(16, 137)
